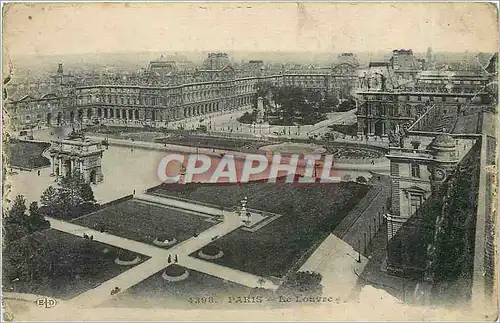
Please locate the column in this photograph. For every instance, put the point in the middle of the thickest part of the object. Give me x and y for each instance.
(371, 128)
(53, 165)
(60, 167)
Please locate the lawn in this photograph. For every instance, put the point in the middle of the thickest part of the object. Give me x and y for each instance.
(144, 222)
(26, 154)
(310, 213)
(193, 292)
(62, 265)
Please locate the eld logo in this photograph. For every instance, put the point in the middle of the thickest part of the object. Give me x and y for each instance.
(46, 302)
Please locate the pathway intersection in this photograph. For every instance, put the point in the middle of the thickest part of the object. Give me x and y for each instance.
(159, 257)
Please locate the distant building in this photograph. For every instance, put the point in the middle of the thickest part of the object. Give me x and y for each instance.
(170, 90)
(398, 92)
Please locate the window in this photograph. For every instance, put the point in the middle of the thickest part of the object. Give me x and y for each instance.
(415, 203)
(415, 170)
(415, 145)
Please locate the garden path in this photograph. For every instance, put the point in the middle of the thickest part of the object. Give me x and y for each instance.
(159, 260)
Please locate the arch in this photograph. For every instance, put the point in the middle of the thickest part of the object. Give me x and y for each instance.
(93, 176)
(89, 113)
(80, 114)
(99, 112)
(130, 114)
(136, 114)
(105, 113)
(59, 117)
(185, 113)
(72, 116)
(49, 118)
(124, 114)
(111, 113)
(67, 166)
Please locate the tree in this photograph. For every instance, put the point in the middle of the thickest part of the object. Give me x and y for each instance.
(303, 282)
(50, 201)
(18, 224)
(36, 220)
(17, 212)
(86, 193)
(74, 197)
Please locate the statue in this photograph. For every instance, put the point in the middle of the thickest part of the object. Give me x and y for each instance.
(396, 136)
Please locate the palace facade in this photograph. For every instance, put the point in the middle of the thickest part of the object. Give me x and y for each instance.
(168, 90)
(399, 91)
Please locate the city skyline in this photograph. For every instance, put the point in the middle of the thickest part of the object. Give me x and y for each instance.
(55, 29)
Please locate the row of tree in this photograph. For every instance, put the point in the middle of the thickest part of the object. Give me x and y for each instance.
(292, 105)
(71, 198)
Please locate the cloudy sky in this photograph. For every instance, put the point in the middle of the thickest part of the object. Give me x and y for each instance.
(47, 29)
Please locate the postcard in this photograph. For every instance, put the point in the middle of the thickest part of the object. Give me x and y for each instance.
(249, 161)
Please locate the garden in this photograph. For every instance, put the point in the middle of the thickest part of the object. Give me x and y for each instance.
(194, 140)
(58, 264)
(26, 154)
(340, 151)
(310, 212)
(145, 222)
(199, 290)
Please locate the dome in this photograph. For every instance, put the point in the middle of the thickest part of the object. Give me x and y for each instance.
(216, 61)
(443, 141)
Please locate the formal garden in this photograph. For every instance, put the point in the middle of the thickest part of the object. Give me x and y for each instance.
(145, 222)
(58, 264)
(198, 290)
(204, 141)
(26, 154)
(353, 152)
(310, 212)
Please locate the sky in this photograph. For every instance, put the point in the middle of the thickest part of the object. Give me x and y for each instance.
(65, 29)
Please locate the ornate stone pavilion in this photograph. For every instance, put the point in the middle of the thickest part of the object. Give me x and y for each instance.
(77, 154)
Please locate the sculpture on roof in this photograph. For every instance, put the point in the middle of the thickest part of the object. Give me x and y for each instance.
(396, 136)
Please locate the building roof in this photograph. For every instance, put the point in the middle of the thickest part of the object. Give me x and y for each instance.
(216, 62)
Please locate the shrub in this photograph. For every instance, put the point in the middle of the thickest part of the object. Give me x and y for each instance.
(210, 250)
(175, 270)
(126, 255)
(361, 179)
(303, 282)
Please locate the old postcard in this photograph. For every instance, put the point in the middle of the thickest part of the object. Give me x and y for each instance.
(252, 161)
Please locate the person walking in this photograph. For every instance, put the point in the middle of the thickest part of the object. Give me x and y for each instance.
(38, 173)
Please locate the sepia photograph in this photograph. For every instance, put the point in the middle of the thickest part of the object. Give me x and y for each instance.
(249, 161)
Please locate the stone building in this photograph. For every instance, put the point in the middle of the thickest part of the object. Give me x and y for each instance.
(171, 90)
(441, 218)
(77, 154)
(398, 92)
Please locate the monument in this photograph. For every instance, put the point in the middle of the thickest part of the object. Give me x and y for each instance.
(80, 154)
